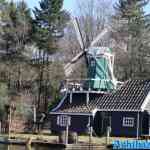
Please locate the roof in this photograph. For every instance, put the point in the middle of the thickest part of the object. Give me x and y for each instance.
(130, 97)
(78, 104)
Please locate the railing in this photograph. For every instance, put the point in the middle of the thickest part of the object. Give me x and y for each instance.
(88, 85)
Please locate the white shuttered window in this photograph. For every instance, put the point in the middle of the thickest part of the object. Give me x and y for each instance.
(128, 122)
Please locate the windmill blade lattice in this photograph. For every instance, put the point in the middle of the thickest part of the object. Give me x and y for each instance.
(99, 37)
(70, 67)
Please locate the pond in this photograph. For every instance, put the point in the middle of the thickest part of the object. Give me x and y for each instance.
(16, 147)
(37, 147)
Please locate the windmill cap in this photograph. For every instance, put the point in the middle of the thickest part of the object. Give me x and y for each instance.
(99, 50)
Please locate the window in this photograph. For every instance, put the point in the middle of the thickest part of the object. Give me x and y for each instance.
(62, 120)
(92, 63)
(128, 122)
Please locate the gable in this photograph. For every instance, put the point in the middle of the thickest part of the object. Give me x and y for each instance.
(146, 104)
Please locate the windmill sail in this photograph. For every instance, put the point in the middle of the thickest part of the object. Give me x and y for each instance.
(70, 67)
(99, 37)
(78, 33)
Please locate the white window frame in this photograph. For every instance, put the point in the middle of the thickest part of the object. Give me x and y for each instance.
(128, 122)
(63, 120)
(93, 63)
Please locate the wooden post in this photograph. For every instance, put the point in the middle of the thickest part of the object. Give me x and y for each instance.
(34, 110)
(90, 131)
(87, 98)
(0, 126)
(71, 97)
(8, 147)
(9, 122)
(108, 134)
(34, 118)
(137, 134)
(67, 131)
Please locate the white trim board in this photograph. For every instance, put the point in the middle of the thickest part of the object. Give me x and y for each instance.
(114, 110)
(96, 92)
(61, 102)
(147, 99)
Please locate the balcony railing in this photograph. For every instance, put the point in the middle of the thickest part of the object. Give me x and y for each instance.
(88, 85)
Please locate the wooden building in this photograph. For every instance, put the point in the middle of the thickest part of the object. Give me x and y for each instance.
(125, 111)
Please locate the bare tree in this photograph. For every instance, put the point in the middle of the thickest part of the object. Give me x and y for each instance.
(93, 15)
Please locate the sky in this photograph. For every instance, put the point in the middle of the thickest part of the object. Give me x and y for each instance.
(68, 5)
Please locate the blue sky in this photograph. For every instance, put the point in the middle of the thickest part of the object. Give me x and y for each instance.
(68, 5)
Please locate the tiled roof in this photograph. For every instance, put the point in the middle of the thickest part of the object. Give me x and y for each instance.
(129, 97)
(78, 104)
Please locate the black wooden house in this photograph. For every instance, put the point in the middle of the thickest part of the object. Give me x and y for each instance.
(125, 110)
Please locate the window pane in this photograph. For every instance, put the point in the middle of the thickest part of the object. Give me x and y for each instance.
(128, 121)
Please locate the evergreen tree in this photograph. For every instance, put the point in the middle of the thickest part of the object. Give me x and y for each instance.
(49, 23)
(134, 25)
(48, 27)
(16, 27)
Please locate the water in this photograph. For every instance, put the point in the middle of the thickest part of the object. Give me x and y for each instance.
(37, 147)
(16, 147)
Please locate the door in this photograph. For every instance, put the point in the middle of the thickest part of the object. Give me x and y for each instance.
(102, 121)
(106, 122)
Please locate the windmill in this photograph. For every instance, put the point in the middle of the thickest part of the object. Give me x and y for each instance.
(99, 60)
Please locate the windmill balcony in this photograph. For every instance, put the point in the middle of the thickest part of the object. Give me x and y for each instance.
(85, 85)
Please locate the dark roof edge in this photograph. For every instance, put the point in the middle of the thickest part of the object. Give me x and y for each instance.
(93, 112)
(73, 114)
(60, 103)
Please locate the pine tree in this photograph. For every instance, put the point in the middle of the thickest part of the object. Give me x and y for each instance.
(17, 27)
(48, 26)
(49, 23)
(136, 28)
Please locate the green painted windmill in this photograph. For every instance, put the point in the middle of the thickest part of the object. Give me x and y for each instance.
(100, 68)
(99, 60)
